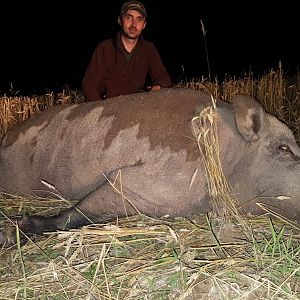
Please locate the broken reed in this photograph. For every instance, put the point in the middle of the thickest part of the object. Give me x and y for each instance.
(144, 258)
(279, 95)
(16, 109)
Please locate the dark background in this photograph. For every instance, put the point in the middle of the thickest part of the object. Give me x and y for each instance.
(48, 44)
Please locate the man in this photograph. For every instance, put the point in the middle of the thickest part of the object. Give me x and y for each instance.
(124, 64)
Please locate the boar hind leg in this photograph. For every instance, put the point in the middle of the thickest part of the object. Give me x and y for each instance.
(102, 205)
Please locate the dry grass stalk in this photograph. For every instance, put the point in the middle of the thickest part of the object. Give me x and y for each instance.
(222, 196)
(273, 90)
(17, 109)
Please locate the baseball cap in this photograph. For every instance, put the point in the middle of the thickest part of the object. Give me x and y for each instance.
(135, 5)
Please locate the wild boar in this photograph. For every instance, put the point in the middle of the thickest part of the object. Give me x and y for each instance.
(81, 149)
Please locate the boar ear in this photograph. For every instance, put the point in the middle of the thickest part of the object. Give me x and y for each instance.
(249, 117)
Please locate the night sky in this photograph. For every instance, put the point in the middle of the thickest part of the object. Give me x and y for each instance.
(49, 44)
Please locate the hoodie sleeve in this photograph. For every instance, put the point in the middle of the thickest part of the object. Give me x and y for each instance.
(157, 71)
(93, 86)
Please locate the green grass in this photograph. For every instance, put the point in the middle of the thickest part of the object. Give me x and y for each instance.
(157, 259)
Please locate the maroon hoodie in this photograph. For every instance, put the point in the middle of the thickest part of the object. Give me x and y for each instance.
(110, 73)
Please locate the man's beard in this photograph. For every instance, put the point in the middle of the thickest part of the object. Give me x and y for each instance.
(131, 35)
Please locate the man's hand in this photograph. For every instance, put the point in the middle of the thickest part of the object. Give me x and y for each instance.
(155, 88)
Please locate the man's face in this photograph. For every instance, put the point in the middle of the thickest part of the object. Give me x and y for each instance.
(132, 24)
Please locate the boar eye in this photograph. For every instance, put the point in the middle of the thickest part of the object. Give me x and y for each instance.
(285, 149)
